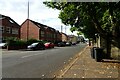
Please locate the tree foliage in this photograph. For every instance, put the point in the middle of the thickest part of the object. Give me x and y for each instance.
(90, 18)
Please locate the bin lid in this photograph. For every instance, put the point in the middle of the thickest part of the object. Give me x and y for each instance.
(99, 48)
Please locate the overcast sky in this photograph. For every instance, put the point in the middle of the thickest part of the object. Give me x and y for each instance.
(17, 10)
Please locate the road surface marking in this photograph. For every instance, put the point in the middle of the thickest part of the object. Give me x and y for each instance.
(30, 55)
(43, 75)
(24, 52)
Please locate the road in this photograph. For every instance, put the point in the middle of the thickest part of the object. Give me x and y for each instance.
(37, 64)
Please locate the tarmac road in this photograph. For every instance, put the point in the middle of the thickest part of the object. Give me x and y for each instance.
(37, 64)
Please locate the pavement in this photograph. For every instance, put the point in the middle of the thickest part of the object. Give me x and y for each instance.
(84, 67)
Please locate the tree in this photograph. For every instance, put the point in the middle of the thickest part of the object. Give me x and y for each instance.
(91, 18)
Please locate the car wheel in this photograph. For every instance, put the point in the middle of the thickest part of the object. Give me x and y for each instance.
(34, 49)
(43, 48)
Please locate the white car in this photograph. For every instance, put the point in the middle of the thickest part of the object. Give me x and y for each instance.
(2, 45)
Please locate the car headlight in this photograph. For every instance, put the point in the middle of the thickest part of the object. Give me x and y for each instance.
(29, 47)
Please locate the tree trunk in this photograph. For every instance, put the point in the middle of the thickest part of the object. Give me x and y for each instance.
(108, 46)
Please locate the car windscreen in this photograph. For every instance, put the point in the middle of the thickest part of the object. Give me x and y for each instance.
(34, 44)
(47, 43)
(2, 44)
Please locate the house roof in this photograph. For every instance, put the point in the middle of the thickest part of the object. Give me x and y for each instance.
(71, 36)
(2, 17)
(64, 34)
(42, 25)
(37, 24)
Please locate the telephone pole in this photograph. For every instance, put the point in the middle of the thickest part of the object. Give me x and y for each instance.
(65, 29)
(61, 28)
(28, 21)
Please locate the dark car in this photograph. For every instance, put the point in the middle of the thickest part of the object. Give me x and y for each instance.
(73, 43)
(36, 46)
(68, 44)
(61, 44)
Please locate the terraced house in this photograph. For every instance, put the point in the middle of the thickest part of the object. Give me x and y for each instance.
(8, 28)
(64, 37)
(58, 36)
(34, 30)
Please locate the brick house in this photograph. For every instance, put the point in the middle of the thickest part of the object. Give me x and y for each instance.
(50, 34)
(72, 38)
(31, 29)
(64, 37)
(58, 36)
(8, 28)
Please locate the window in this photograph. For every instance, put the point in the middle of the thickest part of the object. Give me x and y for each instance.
(11, 21)
(2, 29)
(47, 34)
(8, 29)
(54, 35)
(42, 33)
(0, 40)
(3, 39)
(14, 31)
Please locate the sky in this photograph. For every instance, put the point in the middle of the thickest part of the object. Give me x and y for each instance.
(18, 11)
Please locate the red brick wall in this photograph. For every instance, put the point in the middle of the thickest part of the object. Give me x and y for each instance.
(6, 23)
(59, 36)
(48, 31)
(33, 31)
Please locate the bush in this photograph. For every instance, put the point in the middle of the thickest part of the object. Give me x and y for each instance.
(43, 41)
(20, 43)
(11, 41)
(14, 43)
(30, 41)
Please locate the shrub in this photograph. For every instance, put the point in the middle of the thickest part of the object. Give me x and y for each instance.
(20, 43)
(43, 41)
(11, 41)
(30, 41)
(14, 43)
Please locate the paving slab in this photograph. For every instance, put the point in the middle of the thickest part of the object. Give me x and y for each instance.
(87, 68)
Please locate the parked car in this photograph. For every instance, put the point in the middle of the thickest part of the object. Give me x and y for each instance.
(73, 43)
(68, 44)
(3, 45)
(49, 45)
(77, 42)
(61, 44)
(36, 46)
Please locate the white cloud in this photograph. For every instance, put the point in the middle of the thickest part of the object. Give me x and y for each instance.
(17, 10)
